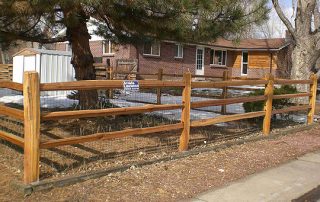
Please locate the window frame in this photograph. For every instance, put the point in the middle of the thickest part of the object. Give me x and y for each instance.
(104, 48)
(177, 45)
(151, 49)
(246, 63)
(214, 52)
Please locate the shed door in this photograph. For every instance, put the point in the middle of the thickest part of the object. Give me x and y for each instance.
(30, 63)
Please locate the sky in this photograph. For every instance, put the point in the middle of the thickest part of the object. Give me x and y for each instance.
(275, 25)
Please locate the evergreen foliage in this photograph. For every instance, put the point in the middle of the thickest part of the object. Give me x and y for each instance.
(276, 103)
(128, 21)
(123, 21)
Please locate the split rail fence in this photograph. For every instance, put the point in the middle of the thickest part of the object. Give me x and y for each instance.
(108, 73)
(32, 116)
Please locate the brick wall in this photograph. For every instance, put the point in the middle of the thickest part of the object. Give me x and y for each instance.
(215, 70)
(96, 47)
(120, 52)
(166, 60)
(284, 62)
(172, 65)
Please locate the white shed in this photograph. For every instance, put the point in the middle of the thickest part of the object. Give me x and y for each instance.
(52, 66)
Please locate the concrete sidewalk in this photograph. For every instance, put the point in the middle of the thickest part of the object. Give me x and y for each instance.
(283, 183)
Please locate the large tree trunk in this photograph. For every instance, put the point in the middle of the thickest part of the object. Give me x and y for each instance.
(305, 37)
(3, 61)
(300, 68)
(82, 61)
(304, 58)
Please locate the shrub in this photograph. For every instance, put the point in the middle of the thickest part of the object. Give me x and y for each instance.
(276, 104)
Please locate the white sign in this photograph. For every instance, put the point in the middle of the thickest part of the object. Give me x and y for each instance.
(131, 85)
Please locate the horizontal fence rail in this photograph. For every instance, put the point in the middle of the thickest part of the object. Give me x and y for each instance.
(15, 113)
(221, 84)
(291, 109)
(110, 135)
(11, 85)
(208, 103)
(107, 112)
(19, 141)
(104, 84)
(32, 116)
(289, 81)
(224, 119)
(288, 96)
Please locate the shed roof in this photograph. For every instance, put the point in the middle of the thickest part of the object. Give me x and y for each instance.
(33, 51)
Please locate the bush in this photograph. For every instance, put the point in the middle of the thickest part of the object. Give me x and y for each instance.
(276, 104)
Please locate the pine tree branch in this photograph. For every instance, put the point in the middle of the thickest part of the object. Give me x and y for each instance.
(284, 19)
(35, 38)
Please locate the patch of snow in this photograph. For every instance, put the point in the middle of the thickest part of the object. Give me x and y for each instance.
(133, 99)
(8, 96)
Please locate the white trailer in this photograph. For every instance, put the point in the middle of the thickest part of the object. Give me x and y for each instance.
(52, 66)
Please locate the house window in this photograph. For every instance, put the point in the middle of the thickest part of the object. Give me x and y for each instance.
(178, 51)
(108, 48)
(151, 48)
(244, 65)
(218, 57)
(68, 47)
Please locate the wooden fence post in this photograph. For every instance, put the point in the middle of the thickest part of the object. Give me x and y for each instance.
(185, 115)
(160, 75)
(268, 104)
(312, 99)
(31, 103)
(224, 92)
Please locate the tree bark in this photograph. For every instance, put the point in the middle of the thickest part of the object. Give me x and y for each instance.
(304, 58)
(306, 50)
(82, 61)
(2, 57)
(300, 69)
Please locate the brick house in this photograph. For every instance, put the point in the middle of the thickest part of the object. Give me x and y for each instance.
(248, 58)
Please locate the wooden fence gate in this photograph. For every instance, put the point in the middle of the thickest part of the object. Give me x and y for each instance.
(6, 72)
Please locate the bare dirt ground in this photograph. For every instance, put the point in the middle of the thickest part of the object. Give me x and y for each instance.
(178, 179)
(169, 181)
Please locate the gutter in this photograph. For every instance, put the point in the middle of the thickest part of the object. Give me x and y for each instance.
(229, 48)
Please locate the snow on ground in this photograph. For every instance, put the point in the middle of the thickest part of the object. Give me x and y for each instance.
(9, 96)
(217, 91)
(132, 99)
(126, 99)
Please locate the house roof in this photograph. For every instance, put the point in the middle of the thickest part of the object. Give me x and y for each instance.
(252, 44)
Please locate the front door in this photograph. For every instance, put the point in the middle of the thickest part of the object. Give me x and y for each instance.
(200, 61)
